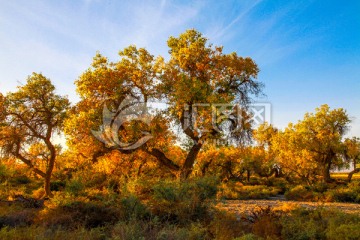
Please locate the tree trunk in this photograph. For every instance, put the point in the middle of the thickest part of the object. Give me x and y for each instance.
(49, 169)
(248, 174)
(205, 167)
(326, 172)
(47, 187)
(161, 157)
(189, 161)
(356, 170)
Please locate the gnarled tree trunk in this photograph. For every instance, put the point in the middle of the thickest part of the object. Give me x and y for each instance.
(189, 161)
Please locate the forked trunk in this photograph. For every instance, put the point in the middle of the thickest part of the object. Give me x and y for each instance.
(189, 161)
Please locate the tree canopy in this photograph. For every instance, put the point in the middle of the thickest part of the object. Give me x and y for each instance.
(29, 119)
(196, 73)
(311, 147)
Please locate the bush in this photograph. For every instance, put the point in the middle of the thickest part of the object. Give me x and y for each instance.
(195, 231)
(351, 193)
(129, 231)
(320, 187)
(233, 190)
(299, 193)
(319, 224)
(17, 219)
(302, 224)
(96, 180)
(57, 185)
(80, 214)
(140, 187)
(154, 230)
(132, 208)
(183, 201)
(226, 226)
(22, 179)
(74, 187)
(344, 231)
(3, 172)
(279, 183)
(266, 222)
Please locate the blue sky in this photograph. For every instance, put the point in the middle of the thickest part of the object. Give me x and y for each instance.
(308, 51)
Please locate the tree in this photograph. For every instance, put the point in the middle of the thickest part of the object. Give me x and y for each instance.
(352, 154)
(196, 73)
(294, 159)
(313, 145)
(29, 119)
(264, 137)
(199, 73)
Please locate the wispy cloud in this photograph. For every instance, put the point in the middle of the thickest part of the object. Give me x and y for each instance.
(60, 40)
(243, 13)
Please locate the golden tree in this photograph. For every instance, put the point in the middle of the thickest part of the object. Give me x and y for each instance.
(29, 118)
(315, 144)
(196, 73)
(352, 154)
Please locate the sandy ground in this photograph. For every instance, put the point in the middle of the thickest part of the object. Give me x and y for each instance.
(241, 207)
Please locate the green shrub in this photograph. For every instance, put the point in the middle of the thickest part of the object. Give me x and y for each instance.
(17, 219)
(3, 172)
(130, 231)
(77, 214)
(141, 187)
(132, 208)
(96, 180)
(344, 231)
(238, 191)
(320, 187)
(341, 195)
(265, 222)
(135, 230)
(279, 183)
(57, 185)
(183, 201)
(350, 193)
(173, 232)
(195, 231)
(74, 187)
(113, 184)
(22, 179)
(226, 225)
(299, 193)
(303, 224)
(320, 224)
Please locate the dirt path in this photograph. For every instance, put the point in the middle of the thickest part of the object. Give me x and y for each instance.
(245, 206)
